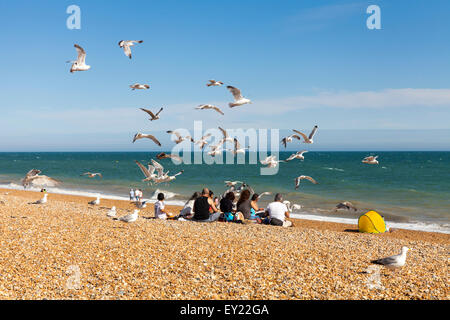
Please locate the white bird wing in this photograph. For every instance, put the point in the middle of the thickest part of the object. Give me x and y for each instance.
(235, 92)
(151, 137)
(127, 50)
(159, 168)
(309, 178)
(218, 110)
(81, 54)
(224, 132)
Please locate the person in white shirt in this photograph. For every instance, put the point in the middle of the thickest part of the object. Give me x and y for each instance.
(278, 212)
(132, 196)
(160, 212)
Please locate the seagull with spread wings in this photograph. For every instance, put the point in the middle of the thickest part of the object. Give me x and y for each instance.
(203, 141)
(164, 155)
(209, 106)
(226, 137)
(127, 44)
(139, 135)
(345, 205)
(33, 177)
(152, 115)
(92, 175)
(308, 139)
(216, 149)
(239, 100)
(179, 138)
(149, 172)
(289, 139)
(370, 160)
(297, 155)
(271, 161)
(214, 83)
(139, 86)
(237, 148)
(80, 63)
(300, 178)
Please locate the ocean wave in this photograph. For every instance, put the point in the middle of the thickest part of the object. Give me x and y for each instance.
(94, 194)
(413, 225)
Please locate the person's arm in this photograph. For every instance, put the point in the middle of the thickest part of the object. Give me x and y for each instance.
(287, 214)
(254, 206)
(211, 203)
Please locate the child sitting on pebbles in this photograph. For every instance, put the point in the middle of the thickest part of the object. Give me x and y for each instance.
(160, 212)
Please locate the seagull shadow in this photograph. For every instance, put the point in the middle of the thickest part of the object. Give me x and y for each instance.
(352, 230)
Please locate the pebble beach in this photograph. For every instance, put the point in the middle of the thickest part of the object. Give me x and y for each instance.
(67, 249)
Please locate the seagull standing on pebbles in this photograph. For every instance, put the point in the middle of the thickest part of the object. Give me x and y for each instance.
(300, 178)
(126, 44)
(209, 106)
(139, 86)
(239, 100)
(43, 200)
(112, 212)
(214, 83)
(393, 262)
(95, 202)
(298, 155)
(80, 63)
(138, 136)
(370, 160)
(152, 115)
(308, 139)
(132, 217)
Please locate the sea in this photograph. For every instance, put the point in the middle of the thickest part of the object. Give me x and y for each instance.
(411, 190)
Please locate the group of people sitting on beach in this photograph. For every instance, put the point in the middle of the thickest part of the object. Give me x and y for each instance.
(204, 207)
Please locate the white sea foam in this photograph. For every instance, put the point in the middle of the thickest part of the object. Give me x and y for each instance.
(93, 194)
(413, 225)
(335, 169)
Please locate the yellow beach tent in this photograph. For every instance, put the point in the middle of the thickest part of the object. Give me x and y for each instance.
(371, 222)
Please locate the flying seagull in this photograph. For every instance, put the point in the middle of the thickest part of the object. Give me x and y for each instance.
(148, 172)
(203, 141)
(370, 160)
(300, 178)
(297, 155)
(239, 100)
(132, 217)
(271, 162)
(80, 63)
(214, 83)
(345, 205)
(167, 178)
(393, 262)
(164, 155)
(237, 148)
(216, 149)
(138, 136)
(152, 115)
(179, 137)
(209, 106)
(308, 139)
(289, 139)
(292, 207)
(139, 86)
(232, 183)
(33, 177)
(226, 137)
(126, 44)
(92, 175)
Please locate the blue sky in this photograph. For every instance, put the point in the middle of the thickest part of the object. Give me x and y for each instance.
(301, 62)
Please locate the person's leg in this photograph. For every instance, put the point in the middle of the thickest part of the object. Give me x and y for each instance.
(276, 222)
(214, 217)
